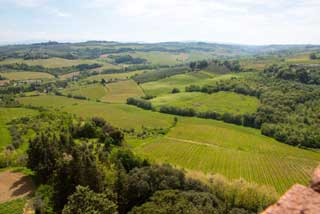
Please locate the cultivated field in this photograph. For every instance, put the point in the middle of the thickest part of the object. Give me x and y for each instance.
(119, 92)
(26, 75)
(161, 58)
(92, 91)
(125, 75)
(165, 86)
(53, 62)
(120, 115)
(236, 152)
(220, 102)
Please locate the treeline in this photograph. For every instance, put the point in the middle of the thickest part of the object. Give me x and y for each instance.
(303, 74)
(53, 71)
(141, 103)
(217, 66)
(314, 56)
(127, 59)
(245, 119)
(104, 177)
(160, 74)
(233, 86)
(289, 111)
(19, 88)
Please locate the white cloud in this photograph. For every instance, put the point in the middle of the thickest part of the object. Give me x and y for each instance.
(238, 21)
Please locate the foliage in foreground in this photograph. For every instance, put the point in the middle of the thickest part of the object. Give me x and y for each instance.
(81, 173)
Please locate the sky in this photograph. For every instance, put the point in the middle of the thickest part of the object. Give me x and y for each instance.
(258, 22)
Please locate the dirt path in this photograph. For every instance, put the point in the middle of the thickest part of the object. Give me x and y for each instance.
(14, 185)
(193, 142)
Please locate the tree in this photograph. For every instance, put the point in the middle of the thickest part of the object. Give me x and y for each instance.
(174, 201)
(175, 90)
(127, 159)
(103, 81)
(193, 65)
(313, 56)
(43, 155)
(85, 201)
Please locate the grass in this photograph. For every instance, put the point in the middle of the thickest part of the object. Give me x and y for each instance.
(233, 151)
(161, 58)
(202, 145)
(126, 75)
(302, 59)
(56, 62)
(92, 91)
(13, 207)
(164, 86)
(119, 92)
(69, 75)
(6, 115)
(119, 115)
(26, 75)
(220, 102)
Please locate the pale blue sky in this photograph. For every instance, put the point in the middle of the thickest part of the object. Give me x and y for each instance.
(225, 21)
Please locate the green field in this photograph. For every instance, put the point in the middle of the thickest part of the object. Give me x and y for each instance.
(92, 91)
(120, 115)
(26, 75)
(125, 75)
(6, 115)
(302, 59)
(234, 151)
(119, 92)
(220, 102)
(57, 62)
(161, 58)
(165, 86)
(69, 75)
(202, 145)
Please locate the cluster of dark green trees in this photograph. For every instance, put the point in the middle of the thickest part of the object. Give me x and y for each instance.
(314, 56)
(160, 74)
(289, 110)
(199, 65)
(2, 77)
(217, 66)
(141, 103)
(127, 59)
(83, 167)
(245, 119)
(303, 74)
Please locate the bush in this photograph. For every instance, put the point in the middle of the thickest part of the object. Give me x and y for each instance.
(144, 104)
(175, 90)
(178, 111)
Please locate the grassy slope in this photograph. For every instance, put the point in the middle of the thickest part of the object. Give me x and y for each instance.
(114, 76)
(164, 86)
(161, 58)
(220, 102)
(119, 92)
(303, 59)
(93, 91)
(120, 115)
(26, 75)
(234, 151)
(205, 145)
(57, 62)
(6, 115)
